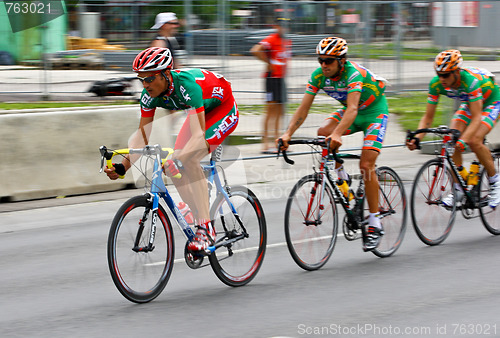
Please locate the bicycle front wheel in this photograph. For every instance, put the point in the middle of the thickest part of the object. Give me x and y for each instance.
(431, 219)
(392, 205)
(311, 222)
(139, 272)
(489, 216)
(237, 262)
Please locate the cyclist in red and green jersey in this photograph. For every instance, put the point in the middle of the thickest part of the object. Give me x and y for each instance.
(476, 116)
(199, 91)
(212, 116)
(365, 109)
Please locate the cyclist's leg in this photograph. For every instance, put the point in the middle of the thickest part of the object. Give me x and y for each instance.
(190, 150)
(374, 126)
(331, 122)
(367, 167)
(460, 121)
(219, 124)
(274, 110)
(329, 125)
(488, 121)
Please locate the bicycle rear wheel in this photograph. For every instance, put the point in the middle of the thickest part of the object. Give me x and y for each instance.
(392, 204)
(140, 275)
(311, 222)
(489, 216)
(237, 263)
(431, 219)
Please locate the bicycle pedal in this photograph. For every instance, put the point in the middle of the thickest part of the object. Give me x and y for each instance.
(193, 261)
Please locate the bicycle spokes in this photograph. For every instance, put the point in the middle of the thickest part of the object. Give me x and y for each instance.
(437, 184)
(432, 220)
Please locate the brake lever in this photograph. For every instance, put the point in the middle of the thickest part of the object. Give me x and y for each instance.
(410, 136)
(102, 150)
(102, 164)
(285, 156)
(105, 155)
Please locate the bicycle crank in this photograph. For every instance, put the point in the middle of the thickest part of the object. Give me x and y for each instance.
(349, 233)
(193, 260)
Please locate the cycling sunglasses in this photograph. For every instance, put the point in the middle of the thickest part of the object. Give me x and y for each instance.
(328, 61)
(444, 75)
(148, 79)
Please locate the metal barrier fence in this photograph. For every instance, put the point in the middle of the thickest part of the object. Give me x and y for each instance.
(395, 39)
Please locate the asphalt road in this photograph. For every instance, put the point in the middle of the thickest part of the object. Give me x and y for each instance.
(55, 283)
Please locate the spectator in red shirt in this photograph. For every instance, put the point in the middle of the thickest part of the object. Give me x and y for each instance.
(275, 51)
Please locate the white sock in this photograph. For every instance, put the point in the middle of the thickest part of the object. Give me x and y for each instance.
(373, 220)
(341, 173)
(457, 186)
(493, 179)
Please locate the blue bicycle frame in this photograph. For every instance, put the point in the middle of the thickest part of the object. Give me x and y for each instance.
(159, 190)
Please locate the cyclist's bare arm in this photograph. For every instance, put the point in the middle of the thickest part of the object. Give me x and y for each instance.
(138, 140)
(425, 122)
(260, 53)
(298, 118)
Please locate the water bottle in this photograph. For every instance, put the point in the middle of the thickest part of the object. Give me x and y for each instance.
(463, 172)
(344, 187)
(186, 212)
(473, 173)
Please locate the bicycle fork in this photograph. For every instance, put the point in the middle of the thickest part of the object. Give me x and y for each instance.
(140, 230)
(311, 204)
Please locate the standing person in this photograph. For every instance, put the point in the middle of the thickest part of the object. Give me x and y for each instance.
(475, 117)
(275, 51)
(167, 25)
(365, 109)
(212, 116)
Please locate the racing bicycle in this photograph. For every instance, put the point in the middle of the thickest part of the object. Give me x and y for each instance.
(140, 247)
(311, 215)
(432, 219)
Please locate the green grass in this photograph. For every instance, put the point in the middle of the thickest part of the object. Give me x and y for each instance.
(409, 107)
(377, 51)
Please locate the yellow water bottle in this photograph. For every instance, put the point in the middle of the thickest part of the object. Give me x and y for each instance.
(473, 173)
(344, 187)
(463, 172)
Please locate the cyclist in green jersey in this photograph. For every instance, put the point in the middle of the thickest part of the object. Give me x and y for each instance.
(475, 118)
(212, 115)
(365, 109)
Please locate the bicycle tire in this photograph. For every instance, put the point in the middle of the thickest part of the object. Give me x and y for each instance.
(489, 216)
(238, 263)
(140, 276)
(391, 196)
(432, 221)
(310, 245)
